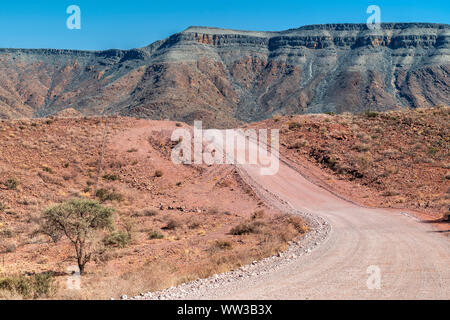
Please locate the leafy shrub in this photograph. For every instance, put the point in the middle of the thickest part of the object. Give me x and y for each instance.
(432, 151)
(11, 184)
(18, 284)
(43, 285)
(298, 144)
(390, 153)
(389, 193)
(155, 235)
(298, 223)
(9, 247)
(371, 114)
(172, 224)
(117, 239)
(276, 117)
(223, 244)
(47, 169)
(361, 147)
(294, 125)
(105, 195)
(111, 177)
(260, 214)
(243, 228)
(195, 223)
(36, 286)
(150, 212)
(6, 233)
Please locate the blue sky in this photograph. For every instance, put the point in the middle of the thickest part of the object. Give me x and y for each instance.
(131, 24)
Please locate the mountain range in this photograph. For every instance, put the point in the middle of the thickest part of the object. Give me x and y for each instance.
(229, 77)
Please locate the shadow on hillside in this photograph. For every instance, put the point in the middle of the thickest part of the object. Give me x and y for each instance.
(436, 221)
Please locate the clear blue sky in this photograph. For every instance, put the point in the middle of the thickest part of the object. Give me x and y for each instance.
(130, 24)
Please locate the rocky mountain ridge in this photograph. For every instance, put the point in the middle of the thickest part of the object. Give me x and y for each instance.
(226, 77)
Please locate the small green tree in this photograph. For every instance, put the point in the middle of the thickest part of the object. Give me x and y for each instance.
(79, 220)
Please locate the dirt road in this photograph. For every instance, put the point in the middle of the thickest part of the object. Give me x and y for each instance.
(409, 258)
(366, 254)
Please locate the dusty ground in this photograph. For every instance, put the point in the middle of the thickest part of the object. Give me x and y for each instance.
(193, 207)
(395, 159)
(368, 253)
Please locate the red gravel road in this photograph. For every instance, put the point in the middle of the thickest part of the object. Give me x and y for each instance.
(412, 258)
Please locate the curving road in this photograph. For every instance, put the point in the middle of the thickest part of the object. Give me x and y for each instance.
(412, 259)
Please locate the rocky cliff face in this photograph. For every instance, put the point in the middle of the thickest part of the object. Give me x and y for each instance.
(225, 76)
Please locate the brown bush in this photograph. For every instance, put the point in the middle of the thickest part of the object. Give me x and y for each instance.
(294, 125)
(260, 214)
(223, 244)
(172, 224)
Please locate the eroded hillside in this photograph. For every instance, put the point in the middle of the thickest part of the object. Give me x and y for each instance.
(226, 77)
(389, 159)
(173, 223)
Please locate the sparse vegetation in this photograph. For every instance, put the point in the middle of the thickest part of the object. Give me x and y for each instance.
(35, 286)
(371, 114)
(150, 212)
(6, 233)
(246, 228)
(47, 169)
(362, 147)
(8, 246)
(111, 177)
(276, 117)
(149, 204)
(259, 214)
(383, 151)
(159, 173)
(172, 224)
(223, 244)
(117, 239)
(104, 195)
(78, 220)
(294, 125)
(155, 235)
(11, 184)
(300, 143)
